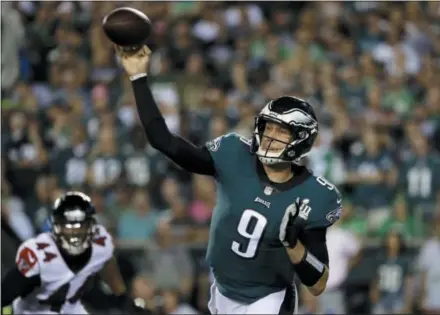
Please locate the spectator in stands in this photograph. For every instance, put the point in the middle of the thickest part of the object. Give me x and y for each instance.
(419, 176)
(120, 201)
(353, 221)
(14, 214)
(391, 289)
(25, 153)
(138, 161)
(176, 213)
(105, 162)
(41, 205)
(138, 223)
(103, 215)
(12, 41)
(408, 225)
(174, 306)
(143, 286)
(369, 171)
(429, 269)
(203, 196)
(172, 265)
(344, 250)
(325, 161)
(70, 163)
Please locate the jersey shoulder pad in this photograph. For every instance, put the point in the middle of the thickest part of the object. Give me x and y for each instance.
(35, 252)
(326, 206)
(226, 142)
(226, 150)
(103, 241)
(27, 260)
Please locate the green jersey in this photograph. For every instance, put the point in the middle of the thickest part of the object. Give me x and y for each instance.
(419, 180)
(391, 273)
(244, 250)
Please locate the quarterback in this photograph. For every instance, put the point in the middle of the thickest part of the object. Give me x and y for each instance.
(54, 269)
(270, 219)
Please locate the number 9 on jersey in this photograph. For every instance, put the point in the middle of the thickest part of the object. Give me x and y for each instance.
(253, 235)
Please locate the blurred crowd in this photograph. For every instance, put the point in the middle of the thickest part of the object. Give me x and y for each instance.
(370, 69)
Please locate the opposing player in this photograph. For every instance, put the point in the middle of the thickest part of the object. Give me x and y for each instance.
(55, 268)
(271, 215)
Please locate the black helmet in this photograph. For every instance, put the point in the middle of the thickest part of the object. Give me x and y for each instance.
(73, 222)
(297, 116)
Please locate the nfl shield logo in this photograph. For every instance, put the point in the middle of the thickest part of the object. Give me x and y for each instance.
(268, 190)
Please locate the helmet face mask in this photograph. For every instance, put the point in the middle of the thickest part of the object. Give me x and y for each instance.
(73, 237)
(271, 147)
(73, 223)
(296, 131)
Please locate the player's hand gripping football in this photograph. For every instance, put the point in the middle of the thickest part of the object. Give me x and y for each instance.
(292, 224)
(134, 62)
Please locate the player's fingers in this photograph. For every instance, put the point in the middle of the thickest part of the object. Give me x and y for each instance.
(141, 53)
(118, 50)
(147, 50)
(121, 52)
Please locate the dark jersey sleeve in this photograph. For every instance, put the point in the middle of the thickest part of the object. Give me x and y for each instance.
(314, 241)
(15, 284)
(188, 156)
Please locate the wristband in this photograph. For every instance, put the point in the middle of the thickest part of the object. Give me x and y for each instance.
(138, 76)
(309, 269)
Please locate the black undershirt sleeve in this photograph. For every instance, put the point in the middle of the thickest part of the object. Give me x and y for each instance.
(188, 156)
(314, 241)
(14, 284)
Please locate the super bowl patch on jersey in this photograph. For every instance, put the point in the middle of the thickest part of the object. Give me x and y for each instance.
(334, 215)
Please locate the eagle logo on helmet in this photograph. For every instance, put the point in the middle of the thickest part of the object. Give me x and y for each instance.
(302, 119)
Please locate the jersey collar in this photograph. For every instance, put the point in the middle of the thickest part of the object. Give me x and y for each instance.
(301, 174)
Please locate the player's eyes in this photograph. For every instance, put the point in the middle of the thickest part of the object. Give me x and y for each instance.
(73, 225)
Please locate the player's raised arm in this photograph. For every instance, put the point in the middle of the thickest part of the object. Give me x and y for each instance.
(188, 156)
(24, 277)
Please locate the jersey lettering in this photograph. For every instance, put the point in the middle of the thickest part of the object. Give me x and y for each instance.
(325, 183)
(26, 260)
(253, 237)
(419, 182)
(100, 240)
(41, 246)
(49, 256)
(390, 278)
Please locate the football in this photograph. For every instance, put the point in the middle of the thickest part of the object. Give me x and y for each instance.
(127, 27)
